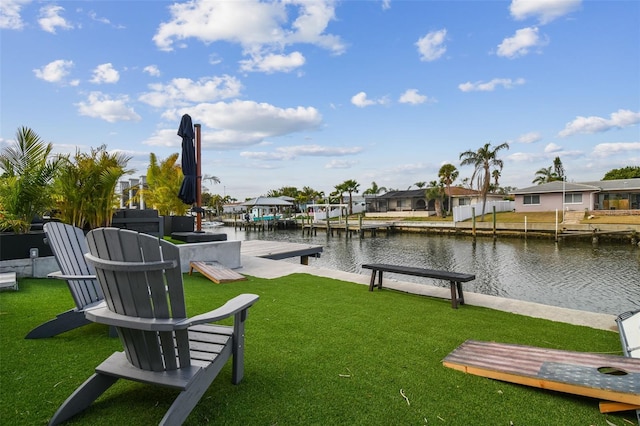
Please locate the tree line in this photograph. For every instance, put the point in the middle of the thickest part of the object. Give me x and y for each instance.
(80, 189)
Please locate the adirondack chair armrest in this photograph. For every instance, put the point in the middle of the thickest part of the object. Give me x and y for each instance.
(232, 307)
(103, 315)
(60, 276)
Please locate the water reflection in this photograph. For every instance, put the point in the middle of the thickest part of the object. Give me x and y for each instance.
(599, 278)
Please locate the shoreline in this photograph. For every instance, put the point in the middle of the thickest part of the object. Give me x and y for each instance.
(271, 269)
(585, 232)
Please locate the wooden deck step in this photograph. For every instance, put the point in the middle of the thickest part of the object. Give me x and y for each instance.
(216, 272)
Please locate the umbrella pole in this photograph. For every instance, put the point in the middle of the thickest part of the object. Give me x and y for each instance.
(198, 180)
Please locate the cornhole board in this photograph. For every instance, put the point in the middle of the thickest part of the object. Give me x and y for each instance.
(629, 328)
(607, 377)
(216, 272)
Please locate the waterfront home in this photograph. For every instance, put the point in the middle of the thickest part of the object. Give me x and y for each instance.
(416, 200)
(613, 196)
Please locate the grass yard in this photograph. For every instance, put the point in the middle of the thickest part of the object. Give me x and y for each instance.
(318, 352)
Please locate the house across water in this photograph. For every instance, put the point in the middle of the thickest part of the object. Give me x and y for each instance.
(620, 196)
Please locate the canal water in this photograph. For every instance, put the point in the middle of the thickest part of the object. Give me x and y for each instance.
(602, 278)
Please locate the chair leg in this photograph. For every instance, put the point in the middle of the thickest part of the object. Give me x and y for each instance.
(238, 347)
(82, 397)
(189, 398)
(64, 322)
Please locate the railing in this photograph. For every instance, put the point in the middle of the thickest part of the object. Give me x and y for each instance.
(461, 213)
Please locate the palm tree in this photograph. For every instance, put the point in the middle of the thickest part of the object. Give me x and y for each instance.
(163, 184)
(484, 159)
(85, 187)
(448, 174)
(420, 184)
(374, 190)
(436, 192)
(214, 179)
(349, 186)
(545, 175)
(26, 174)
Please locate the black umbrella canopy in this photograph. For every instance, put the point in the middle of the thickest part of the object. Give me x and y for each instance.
(187, 191)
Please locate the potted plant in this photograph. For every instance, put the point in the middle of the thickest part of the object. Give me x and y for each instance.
(27, 170)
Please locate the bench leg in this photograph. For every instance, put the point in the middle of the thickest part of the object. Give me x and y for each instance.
(373, 280)
(372, 283)
(456, 298)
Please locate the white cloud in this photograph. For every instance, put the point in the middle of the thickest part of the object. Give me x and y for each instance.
(490, 86)
(530, 137)
(293, 152)
(522, 41)
(50, 19)
(105, 73)
(10, 18)
(267, 33)
(360, 100)
(552, 147)
(261, 118)
(386, 4)
(519, 157)
(609, 149)
(182, 91)
(54, 72)
(411, 96)
(339, 164)
(273, 63)
(618, 120)
(431, 45)
(545, 10)
(152, 70)
(241, 123)
(99, 105)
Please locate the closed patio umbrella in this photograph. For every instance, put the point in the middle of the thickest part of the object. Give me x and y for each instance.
(187, 191)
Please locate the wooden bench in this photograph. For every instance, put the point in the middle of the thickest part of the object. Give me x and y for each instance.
(455, 278)
(216, 272)
(629, 329)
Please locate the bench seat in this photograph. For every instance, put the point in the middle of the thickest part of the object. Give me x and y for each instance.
(455, 278)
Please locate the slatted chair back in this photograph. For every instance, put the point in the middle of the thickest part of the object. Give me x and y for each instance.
(69, 246)
(140, 276)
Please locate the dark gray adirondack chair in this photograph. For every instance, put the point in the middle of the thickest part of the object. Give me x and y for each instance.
(69, 246)
(141, 278)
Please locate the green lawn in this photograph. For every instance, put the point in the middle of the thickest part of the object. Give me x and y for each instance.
(318, 352)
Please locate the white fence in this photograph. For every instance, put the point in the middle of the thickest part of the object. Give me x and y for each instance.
(461, 213)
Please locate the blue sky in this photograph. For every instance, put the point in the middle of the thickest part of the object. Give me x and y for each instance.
(312, 93)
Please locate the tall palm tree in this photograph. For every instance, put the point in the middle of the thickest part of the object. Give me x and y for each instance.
(483, 160)
(448, 174)
(420, 184)
(350, 186)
